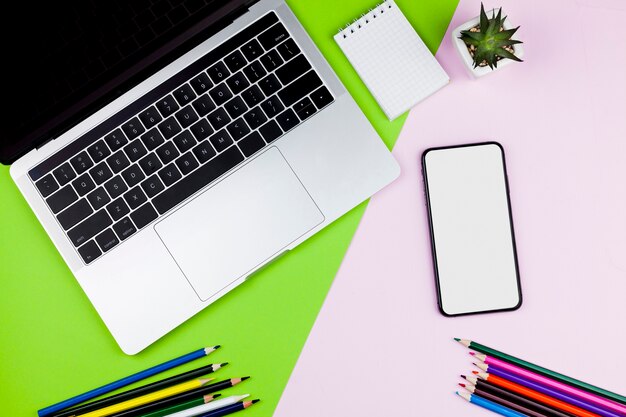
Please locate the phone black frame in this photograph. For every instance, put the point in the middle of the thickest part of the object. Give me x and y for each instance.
(432, 235)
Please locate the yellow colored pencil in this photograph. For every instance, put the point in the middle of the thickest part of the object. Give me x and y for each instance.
(148, 398)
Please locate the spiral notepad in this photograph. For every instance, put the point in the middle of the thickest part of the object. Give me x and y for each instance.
(391, 59)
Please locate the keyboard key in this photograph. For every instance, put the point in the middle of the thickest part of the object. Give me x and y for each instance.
(133, 175)
(270, 131)
(150, 164)
(135, 197)
(169, 127)
(150, 117)
(197, 180)
(116, 140)
(237, 82)
(218, 72)
(272, 106)
(254, 71)
(107, 240)
(293, 69)
(61, 199)
(98, 151)
(288, 49)
(255, 118)
(89, 252)
(287, 120)
(269, 85)
(271, 60)
(98, 198)
(204, 151)
(135, 150)
(218, 118)
(186, 116)
(235, 107)
(203, 105)
(152, 186)
(124, 228)
(221, 140)
(184, 141)
(47, 185)
(152, 139)
(89, 228)
(143, 215)
(184, 94)
(321, 97)
(238, 129)
(300, 88)
(64, 174)
(273, 36)
(167, 105)
(235, 61)
(167, 152)
(252, 96)
(74, 214)
(133, 128)
(117, 209)
(202, 129)
(81, 162)
(115, 186)
(169, 175)
(118, 161)
(187, 163)
(252, 50)
(83, 184)
(251, 144)
(201, 83)
(304, 108)
(220, 94)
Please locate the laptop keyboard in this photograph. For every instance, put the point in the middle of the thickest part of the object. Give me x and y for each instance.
(180, 137)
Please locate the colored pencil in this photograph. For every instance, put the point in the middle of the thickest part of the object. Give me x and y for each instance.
(105, 389)
(205, 408)
(546, 399)
(229, 409)
(180, 398)
(541, 370)
(136, 392)
(486, 387)
(504, 402)
(148, 398)
(490, 362)
(489, 405)
(182, 406)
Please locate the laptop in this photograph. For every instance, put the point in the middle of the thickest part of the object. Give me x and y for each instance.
(172, 148)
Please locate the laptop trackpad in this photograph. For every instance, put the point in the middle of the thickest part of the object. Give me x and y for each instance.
(238, 224)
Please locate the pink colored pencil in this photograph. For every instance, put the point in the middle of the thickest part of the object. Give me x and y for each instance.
(540, 379)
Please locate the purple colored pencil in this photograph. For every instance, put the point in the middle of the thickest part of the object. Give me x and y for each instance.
(553, 393)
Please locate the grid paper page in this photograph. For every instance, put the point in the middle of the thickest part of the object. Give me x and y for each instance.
(391, 59)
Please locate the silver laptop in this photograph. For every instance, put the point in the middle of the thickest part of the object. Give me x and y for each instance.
(171, 149)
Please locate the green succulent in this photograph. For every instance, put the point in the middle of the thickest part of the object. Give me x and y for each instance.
(489, 42)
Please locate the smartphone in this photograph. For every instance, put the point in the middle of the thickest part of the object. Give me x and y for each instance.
(471, 229)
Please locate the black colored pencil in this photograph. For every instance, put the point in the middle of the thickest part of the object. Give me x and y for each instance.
(136, 392)
(180, 398)
(229, 409)
(488, 387)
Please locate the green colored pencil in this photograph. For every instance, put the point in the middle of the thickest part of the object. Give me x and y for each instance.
(536, 368)
(179, 407)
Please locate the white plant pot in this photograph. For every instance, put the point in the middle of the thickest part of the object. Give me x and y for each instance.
(467, 58)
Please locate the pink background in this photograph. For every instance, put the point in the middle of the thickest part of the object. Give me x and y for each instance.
(379, 346)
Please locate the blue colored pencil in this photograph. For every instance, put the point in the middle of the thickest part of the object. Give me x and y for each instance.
(126, 381)
(489, 405)
(229, 409)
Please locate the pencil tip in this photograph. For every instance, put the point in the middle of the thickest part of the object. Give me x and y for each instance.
(472, 353)
(475, 372)
(217, 346)
(463, 376)
(244, 378)
(461, 385)
(255, 401)
(217, 395)
(457, 339)
(224, 364)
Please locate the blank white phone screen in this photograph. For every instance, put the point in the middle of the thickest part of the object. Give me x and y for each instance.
(471, 229)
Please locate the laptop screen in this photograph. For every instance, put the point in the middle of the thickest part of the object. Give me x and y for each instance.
(64, 59)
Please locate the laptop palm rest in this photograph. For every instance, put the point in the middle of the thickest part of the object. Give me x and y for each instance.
(239, 224)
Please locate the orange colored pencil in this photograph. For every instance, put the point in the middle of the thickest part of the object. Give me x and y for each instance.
(527, 392)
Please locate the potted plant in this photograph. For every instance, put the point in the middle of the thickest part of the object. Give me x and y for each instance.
(485, 43)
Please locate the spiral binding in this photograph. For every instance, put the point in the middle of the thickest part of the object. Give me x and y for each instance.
(365, 18)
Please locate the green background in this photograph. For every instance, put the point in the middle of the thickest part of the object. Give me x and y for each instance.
(53, 345)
